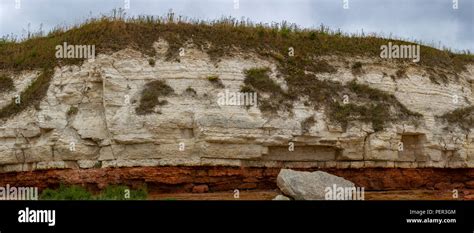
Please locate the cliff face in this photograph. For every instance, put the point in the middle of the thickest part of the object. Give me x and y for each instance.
(88, 118)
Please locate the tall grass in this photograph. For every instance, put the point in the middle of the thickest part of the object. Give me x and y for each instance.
(115, 32)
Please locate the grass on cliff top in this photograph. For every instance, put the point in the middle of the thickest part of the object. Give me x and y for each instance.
(111, 192)
(115, 32)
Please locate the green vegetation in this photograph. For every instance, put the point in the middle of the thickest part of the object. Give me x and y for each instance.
(401, 73)
(32, 95)
(357, 68)
(380, 108)
(437, 77)
(246, 89)
(214, 79)
(190, 91)
(152, 62)
(257, 79)
(377, 114)
(462, 117)
(72, 111)
(6, 83)
(321, 67)
(150, 94)
(116, 32)
(112, 192)
(375, 95)
(307, 123)
(66, 193)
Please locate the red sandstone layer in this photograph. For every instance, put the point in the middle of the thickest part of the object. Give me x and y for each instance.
(189, 179)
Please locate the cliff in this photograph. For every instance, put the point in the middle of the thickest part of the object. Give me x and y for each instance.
(129, 108)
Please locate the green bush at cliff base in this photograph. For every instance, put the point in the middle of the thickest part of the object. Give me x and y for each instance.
(66, 193)
(111, 192)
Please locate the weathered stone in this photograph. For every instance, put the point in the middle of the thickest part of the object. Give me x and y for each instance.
(309, 185)
(281, 198)
(200, 189)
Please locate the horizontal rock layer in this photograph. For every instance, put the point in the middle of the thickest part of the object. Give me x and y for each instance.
(165, 179)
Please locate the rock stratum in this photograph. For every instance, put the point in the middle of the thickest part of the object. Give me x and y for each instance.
(88, 118)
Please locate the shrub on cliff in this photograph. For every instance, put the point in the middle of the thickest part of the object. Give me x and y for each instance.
(258, 79)
(150, 94)
(32, 95)
(214, 79)
(462, 117)
(6, 83)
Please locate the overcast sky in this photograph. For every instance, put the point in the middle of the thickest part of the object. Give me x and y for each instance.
(432, 21)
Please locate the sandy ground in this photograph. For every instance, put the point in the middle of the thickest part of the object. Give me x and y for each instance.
(270, 194)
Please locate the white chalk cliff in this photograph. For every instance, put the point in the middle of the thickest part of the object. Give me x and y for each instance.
(193, 130)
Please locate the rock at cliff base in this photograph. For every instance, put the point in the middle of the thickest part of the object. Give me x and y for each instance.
(308, 185)
(281, 198)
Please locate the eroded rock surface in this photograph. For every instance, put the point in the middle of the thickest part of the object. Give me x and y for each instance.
(88, 120)
(309, 185)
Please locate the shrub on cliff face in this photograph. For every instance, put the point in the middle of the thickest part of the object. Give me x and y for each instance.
(32, 95)
(257, 79)
(376, 114)
(214, 79)
(150, 96)
(369, 105)
(357, 68)
(190, 91)
(307, 123)
(6, 83)
(151, 62)
(72, 111)
(462, 117)
(401, 73)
